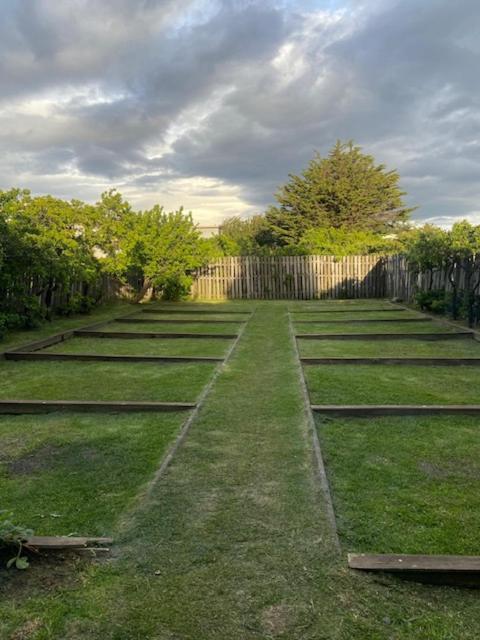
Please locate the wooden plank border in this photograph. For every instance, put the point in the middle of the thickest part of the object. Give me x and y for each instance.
(369, 410)
(317, 451)
(386, 336)
(352, 310)
(181, 321)
(42, 343)
(199, 311)
(17, 407)
(126, 335)
(432, 569)
(90, 357)
(449, 362)
(363, 320)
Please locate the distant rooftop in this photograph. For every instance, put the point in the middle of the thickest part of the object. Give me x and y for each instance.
(208, 231)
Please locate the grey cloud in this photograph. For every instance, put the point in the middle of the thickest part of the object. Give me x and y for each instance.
(261, 86)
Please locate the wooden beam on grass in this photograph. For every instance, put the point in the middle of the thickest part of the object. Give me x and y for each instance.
(387, 336)
(363, 320)
(167, 321)
(90, 357)
(369, 410)
(36, 345)
(18, 407)
(50, 543)
(43, 343)
(195, 311)
(125, 335)
(432, 569)
(352, 310)
(437, 362)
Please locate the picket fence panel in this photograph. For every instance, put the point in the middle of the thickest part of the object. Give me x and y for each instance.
(293, 277)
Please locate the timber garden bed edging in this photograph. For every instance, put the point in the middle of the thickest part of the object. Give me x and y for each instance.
(457, 571)
(473, 362)
(387, 336)
(440, 569)
(85, 333)
(91, 357)
(18, 407)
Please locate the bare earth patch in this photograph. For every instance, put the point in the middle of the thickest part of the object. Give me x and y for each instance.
(277, 619)
(47, 457)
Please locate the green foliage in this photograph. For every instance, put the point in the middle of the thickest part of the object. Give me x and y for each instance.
(49, 246)
(43, 250)
(456, 252)
(427, 248)
(346, 189)
(77, 304)
(252, 236)
(346, 242)
(434, 300)
(161, 249)
(13, 536)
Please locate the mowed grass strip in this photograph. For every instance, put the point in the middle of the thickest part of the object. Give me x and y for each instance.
(102, 381)
(375, 327)
(405, 485)
(390, 384)
(171, 327)
(75, 474)
(113, 346)
(395, 348)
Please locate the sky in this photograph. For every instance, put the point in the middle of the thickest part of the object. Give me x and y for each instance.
(210, 104)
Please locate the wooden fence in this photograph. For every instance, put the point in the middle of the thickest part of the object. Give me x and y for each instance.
(295, 277)
(402, 283)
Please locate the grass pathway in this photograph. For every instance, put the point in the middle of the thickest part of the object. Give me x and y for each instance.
(236, 526)
(233, 543)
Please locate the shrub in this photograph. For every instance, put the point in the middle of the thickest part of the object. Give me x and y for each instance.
(3, 325)
(76, 304)
(435, 300)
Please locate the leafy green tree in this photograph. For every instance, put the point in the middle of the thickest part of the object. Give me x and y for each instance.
(345, 242)
(45, 248)
(456, 253)
(427, 250)
(345, 189)
(465, 256)
(251, 236)
(159, 249)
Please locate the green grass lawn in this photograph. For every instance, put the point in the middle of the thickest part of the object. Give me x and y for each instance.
(103, 312)
(385, 384)
(395, 348)
(146, 347)
(375, 327)
(192, 327)
(102, 381)
(67, 474)
(233, 542)
(405, 485)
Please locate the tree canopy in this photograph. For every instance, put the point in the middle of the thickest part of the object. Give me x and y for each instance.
(345, 189)
(49, 245)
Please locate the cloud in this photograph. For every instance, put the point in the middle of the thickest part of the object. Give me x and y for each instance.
(211, 103)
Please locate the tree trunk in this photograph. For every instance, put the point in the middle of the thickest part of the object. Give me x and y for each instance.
(146, 292)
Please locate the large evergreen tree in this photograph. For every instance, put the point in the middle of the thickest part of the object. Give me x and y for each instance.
(345, 189)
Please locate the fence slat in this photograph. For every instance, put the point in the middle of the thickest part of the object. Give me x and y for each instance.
(301, 277)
